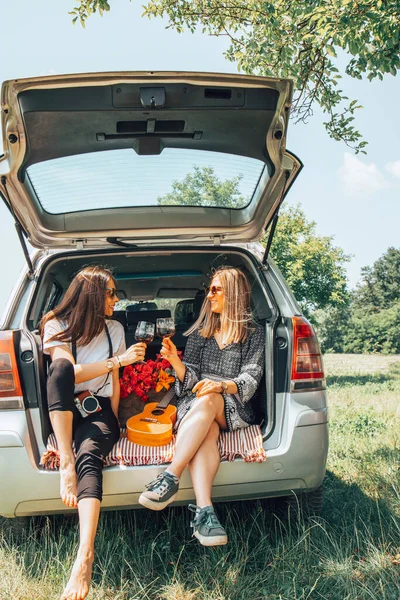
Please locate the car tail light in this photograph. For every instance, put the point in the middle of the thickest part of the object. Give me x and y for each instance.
(307, 367)
(10, 385)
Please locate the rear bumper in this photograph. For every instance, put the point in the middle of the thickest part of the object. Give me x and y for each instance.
(27, 491)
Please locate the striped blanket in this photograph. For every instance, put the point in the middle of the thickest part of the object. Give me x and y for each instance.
(244, 443)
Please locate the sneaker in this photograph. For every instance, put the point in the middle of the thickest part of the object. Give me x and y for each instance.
(160, 492)
(206, 526)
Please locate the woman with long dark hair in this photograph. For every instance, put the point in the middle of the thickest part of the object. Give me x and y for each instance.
(83, 396)
(215, 383)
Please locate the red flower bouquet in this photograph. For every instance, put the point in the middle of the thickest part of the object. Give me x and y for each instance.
(140, 378)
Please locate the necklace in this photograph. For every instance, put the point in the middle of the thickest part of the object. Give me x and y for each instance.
(223, 341)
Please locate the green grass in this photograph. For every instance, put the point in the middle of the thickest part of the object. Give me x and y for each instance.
(346, 554)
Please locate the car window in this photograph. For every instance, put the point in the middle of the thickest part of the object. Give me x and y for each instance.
(53, 298)
(181, 308)
(177, 176)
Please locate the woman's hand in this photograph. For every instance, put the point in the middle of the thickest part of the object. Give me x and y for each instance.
(207, 386)
(134, 353)
(169, 350)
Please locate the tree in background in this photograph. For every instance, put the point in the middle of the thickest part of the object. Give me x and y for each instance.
(374, 323)
(371, 321)
(300, 39)
(313, 267)
(380, 287)
(373, 332)
(332, 324)
(203, 188)
(311, 264)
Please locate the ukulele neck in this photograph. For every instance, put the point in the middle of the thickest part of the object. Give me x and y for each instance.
(167, 398)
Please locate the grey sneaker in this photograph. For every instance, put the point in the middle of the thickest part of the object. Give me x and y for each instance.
(206, 526)
(160, 492)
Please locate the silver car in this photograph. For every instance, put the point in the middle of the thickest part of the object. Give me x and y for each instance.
(161, 177)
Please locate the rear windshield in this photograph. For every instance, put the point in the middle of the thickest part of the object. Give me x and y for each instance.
(122, 178)
(179, 307)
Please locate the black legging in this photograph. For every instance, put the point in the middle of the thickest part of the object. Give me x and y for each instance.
(94, 435)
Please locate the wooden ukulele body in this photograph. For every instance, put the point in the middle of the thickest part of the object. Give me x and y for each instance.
(153, 426)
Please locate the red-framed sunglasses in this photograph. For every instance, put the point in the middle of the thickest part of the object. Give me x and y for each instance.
(214, 289)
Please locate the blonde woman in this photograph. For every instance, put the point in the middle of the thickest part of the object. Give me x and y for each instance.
(219, 375)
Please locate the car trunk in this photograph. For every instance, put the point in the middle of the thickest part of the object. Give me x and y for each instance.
(172, 167)
(95, 160)
(153, 283)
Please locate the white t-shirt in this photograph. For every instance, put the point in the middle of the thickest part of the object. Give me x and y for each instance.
(95, 351)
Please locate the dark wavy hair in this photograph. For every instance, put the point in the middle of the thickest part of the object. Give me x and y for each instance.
(82, 308)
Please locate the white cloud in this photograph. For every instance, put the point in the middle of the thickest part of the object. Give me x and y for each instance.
(394, 168)
(358, 178)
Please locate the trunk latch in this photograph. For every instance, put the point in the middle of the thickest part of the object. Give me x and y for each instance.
(217, 240)
(79, 244)
(153, 97)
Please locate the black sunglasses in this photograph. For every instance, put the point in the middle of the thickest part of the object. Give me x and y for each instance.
(111, 292)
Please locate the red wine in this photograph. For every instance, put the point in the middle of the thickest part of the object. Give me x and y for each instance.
(164, 332)
(144, 337)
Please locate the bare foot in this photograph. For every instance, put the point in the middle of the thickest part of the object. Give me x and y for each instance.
(68, 484)
(79, 583)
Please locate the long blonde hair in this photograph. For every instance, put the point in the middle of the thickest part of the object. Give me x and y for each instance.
(236, 317)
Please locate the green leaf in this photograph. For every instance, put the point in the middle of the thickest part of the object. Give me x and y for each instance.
(331, 51)
(297, 40)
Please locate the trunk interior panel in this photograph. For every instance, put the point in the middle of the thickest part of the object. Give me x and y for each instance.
(150, 285)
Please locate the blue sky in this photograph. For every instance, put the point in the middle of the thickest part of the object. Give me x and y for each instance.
(353, 198)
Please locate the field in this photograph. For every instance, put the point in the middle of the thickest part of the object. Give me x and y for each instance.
(350, 552)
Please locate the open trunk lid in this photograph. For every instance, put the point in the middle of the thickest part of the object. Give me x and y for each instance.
(145, 158)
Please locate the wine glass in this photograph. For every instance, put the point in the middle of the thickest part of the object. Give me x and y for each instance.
(144, 332)
(165, 327)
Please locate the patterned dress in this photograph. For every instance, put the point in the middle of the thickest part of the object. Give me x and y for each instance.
(242, 363)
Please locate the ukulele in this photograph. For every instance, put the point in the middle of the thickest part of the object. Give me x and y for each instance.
(153, 426)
